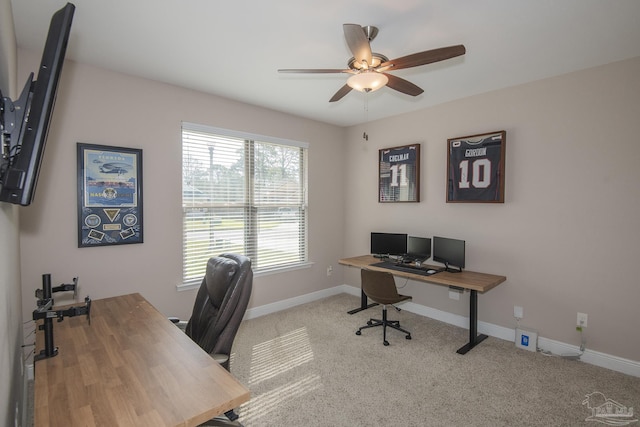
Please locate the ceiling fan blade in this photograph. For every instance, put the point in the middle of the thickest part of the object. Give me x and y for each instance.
(311, 70)
(358, 43)
(341, 93)
(422, 58)
(402, 85)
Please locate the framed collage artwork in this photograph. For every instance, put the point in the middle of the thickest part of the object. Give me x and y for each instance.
(109, 195)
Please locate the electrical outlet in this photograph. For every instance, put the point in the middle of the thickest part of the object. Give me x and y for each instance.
(582, 320)
(329, 270)
(518, 312)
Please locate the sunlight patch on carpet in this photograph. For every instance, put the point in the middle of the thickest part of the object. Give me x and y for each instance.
(281, 354)
(263, 404)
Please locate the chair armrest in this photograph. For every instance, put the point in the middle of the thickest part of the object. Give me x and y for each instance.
(220, 358)
(181, 324)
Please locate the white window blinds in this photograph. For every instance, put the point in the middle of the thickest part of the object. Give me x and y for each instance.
(242, 193)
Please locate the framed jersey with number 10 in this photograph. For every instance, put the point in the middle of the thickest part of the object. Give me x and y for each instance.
(475, 168)
(399, 174)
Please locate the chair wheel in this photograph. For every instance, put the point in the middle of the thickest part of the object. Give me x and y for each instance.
(408, 337)
(369, 322)
(385, 342)
(358, 333)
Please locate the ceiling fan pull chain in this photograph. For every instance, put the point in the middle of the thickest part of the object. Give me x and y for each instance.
(366, 107)
(365, 112)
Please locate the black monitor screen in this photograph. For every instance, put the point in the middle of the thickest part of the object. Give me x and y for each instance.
(28, 137)
(419, 248)
(388, 243)
(450, 252)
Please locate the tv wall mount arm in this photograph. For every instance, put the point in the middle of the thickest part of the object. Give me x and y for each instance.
(12, 118)
(46, 312)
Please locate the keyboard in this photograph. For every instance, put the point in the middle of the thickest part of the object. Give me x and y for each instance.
(405, 268)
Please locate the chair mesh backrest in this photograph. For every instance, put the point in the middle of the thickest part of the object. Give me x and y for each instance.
(380, 286)
(221, 303)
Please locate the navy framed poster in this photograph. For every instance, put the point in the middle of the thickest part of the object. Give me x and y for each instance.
(475, 168)
(399, 174)
(109, 195)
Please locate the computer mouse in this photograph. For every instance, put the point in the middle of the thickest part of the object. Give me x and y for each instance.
(430, 271)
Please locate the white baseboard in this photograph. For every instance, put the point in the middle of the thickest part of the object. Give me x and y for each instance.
(263, 310)
(592, 357)
(615, 363)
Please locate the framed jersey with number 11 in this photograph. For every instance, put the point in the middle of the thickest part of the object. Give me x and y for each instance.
(475, 171)
(399, 174)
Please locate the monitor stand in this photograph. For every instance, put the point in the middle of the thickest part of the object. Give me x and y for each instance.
(449, 269)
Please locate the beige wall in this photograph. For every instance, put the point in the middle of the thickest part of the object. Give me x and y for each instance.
(102, 107)
(567, 237)
(11, 386)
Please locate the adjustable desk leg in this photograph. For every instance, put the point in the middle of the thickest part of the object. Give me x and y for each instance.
(474, 338)
(363, 303)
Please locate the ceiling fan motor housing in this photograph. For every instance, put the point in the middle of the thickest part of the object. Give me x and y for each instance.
(376, 59)
(370, 31)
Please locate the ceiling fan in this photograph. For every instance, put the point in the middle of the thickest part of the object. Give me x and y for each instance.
(369, 69)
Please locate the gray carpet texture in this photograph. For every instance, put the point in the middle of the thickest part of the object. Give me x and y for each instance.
(306, 367)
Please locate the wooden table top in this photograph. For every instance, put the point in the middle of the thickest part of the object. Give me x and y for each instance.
(130, 367)
(471, 280)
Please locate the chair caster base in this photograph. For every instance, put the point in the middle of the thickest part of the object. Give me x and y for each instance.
(231, 415)
(358, 333)
(385, 342)
(408, 337)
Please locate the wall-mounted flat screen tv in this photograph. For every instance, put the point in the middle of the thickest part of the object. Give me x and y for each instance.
(24, 124)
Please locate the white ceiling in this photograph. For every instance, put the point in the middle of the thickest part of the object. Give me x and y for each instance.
(234, 48)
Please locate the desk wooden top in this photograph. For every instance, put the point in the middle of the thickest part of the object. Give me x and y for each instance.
(471, 280)
(130, 367)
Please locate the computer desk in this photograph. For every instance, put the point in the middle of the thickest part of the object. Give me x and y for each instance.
(473, 281)
(130, 367)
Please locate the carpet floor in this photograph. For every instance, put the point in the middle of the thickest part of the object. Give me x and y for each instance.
(306, 367)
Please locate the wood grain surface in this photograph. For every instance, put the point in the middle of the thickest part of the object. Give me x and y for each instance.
(129, 367)
(472, 280)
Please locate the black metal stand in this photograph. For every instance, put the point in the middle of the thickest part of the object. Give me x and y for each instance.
(49, 349)
(46, 312)
(474, 338)
(363, 303)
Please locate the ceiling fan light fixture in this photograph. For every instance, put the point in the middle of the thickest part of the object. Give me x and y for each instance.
(367, 81)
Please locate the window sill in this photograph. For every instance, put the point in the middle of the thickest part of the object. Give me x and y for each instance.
(277, 270)
(265, 272)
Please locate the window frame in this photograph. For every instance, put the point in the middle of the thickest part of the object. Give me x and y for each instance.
(250, 228)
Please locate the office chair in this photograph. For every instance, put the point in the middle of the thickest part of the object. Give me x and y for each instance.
(220, 305)
(380, 286)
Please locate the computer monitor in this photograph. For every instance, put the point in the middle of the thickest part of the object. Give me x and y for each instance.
(450, 252)
(388, 243)
(418, 248)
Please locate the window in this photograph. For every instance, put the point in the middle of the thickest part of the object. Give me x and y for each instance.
(242, 193)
